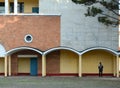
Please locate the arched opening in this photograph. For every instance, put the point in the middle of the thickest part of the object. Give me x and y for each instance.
(91, 59)
(25, 61)
(2, 66)
(69, 63)
(62, 62)
(2, 54)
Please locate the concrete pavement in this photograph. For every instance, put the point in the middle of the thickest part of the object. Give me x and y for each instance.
(59, 82)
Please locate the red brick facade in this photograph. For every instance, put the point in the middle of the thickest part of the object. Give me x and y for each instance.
(44, 29)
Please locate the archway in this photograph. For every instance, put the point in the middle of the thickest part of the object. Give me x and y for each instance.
(2, 55)
(92, 57)
(25, 61)
(62, 61)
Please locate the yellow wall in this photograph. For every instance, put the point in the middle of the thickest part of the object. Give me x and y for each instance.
(91, 60)
(28, 4)
(68, 62)
(23, 65)
(1, 65)
(119, 64)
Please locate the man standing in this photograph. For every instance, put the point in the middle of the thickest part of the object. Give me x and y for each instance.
(100, 68)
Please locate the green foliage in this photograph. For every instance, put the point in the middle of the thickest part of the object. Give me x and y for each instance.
(86, 2)
(111, 6)
(93, 11)
(105, 20)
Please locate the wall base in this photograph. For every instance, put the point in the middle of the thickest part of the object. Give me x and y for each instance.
(27, 74)
(96, 74)
(63, 74)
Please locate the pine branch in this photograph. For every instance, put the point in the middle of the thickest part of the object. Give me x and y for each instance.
(110, 16)
(113, 11)
(110, 6)
(116, 1)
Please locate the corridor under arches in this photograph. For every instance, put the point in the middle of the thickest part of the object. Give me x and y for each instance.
(24, 61)
(91, 59)
(62, 62)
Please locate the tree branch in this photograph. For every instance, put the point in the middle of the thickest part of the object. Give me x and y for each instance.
(111, 6)
(113, 11)
(116, 1)
(110, 16)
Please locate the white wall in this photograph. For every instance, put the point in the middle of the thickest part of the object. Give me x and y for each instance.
(77, 31)
(2, 51)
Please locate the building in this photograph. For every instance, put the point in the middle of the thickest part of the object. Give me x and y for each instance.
(53, 37)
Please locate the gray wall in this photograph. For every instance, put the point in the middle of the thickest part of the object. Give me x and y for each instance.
(77, 31)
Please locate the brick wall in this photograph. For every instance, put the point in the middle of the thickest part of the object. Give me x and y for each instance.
(53, 63)
(44, 29)
(14, 65)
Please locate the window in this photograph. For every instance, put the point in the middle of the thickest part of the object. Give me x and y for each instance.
(28, 38)
(2, 7)
(35, 9)
(20, 7)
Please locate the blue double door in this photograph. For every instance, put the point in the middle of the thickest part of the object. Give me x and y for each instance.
(33, 66)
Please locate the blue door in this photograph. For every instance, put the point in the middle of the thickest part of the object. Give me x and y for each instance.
(33, 67)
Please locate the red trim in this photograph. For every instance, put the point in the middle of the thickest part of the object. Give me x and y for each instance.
(23, 74)
(96, 74)
(40, 74)
(2, 74)
(26, 74)
(62, 74)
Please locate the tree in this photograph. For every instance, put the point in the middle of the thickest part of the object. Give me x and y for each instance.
(106, 10)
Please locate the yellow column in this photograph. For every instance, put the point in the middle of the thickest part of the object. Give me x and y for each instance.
(43, 65)
(114, 67)
(5, 66)
(117, 65)
(80, 66)
(9, 59)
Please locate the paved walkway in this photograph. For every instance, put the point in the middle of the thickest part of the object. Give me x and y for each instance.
(59, 82)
